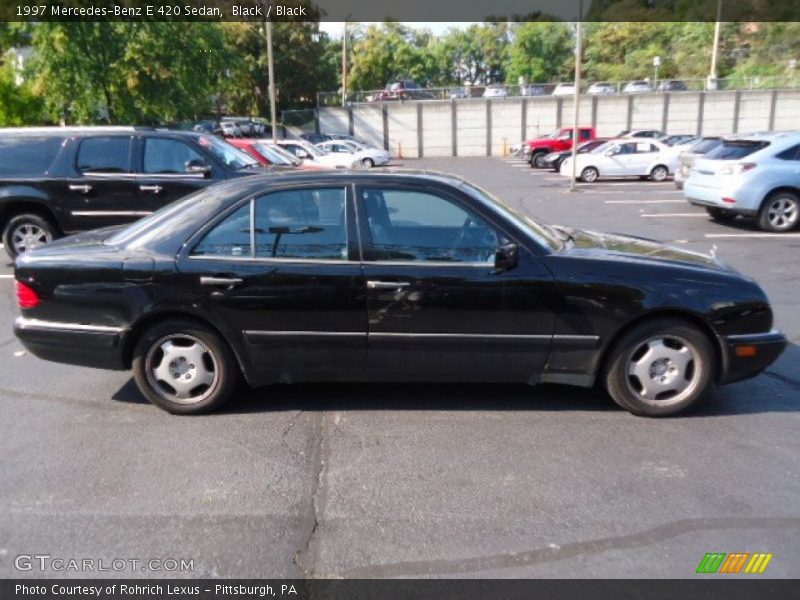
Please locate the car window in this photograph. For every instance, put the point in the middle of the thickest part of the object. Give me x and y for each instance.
(736, 149)
(585, 134)
(224, 152)
(705, 146)
(105, 155)
(305, 223)
(167, 156)
(792, 153)
(410, 225)
(21, 156)
(626, 149)
(229, 238)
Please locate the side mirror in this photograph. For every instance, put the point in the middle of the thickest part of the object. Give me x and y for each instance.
(506, 257)
(611, 152)
(303, 154)
(196, 165)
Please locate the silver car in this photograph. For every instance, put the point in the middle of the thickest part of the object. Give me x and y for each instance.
(753, 175)
(688, 157)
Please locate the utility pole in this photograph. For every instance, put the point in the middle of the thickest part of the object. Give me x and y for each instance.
(577, 99)
(344, 65)
(271, 75)
(712, 77)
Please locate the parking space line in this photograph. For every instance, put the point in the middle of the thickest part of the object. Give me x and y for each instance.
(618, 193)
(644, 201)
(625, 183)
(753, 235)
(704, 215)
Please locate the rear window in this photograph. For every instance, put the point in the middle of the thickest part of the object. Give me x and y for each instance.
(736, 149)
(26, 156)
(105, 155)
(705, 146)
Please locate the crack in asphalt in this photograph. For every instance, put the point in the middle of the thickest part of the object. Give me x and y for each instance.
(644, 538)
(784, 379)
(306, 558)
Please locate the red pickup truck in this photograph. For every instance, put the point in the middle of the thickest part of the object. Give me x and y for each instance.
(558, 141)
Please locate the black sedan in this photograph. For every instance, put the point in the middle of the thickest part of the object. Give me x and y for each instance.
(397, 276)
(554, 159)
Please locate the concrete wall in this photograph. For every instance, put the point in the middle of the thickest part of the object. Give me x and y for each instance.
(489, 127)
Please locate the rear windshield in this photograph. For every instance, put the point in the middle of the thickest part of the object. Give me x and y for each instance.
(26, 156)
(736, 149)
(705, 146)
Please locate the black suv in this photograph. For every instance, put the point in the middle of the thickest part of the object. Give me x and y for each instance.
(55, 181)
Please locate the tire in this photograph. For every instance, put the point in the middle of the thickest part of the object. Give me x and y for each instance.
(590, 174)
(660, 368)
(368, 163)
(721, 215)
(780, 212)
(26, 232)
(196, 353)
(537, 159)
(659, 173)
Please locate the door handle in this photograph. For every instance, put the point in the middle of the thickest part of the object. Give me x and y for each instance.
(220, 281)
(156, 189)
(82, 188)
(387, 285)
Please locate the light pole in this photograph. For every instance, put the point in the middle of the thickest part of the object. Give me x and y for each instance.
(344, 65)
(712, 76)
(656, 64)
(577, 98)
(271, 75)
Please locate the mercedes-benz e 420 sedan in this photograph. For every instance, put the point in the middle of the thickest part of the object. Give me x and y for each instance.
(397, 276)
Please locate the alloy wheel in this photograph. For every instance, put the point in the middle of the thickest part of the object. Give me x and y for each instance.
(782, 213)
(28, 236)
(664, 368)
(182, 369)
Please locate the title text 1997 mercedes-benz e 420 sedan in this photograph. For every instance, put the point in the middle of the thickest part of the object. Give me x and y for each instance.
(394, 276)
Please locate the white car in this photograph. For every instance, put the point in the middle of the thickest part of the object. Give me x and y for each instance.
(311, 155)
(638, 87)
(495, 91)
(601, 88)
(368, 157)
(564, 89)
(230, 129)
(625, 158)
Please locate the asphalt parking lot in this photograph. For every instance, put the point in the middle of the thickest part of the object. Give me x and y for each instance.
(419, 480)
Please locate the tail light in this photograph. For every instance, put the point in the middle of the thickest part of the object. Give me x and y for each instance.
(26, 296)
(737, 168)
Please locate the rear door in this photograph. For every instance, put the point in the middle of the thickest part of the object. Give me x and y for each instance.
(164, 176)
(102, 189)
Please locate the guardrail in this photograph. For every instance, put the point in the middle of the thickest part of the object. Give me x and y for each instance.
(565, 88)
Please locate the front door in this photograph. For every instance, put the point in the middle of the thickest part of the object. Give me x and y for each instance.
(103, 189)
(438, 309)
(277, 272)
(164, 174)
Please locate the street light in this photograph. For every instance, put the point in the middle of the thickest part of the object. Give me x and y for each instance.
(656, 64)
(712, 76)
(577, 98)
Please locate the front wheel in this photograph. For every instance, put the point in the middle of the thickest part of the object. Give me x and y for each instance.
(780, 212)
(659, 173)
(368, 163)
(184, 367)
(660, 368)
(26, 232)
(590, 175)
(537, 160)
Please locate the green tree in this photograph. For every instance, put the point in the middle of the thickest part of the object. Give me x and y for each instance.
(541, 51)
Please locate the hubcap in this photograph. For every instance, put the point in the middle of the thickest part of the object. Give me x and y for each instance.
(659, 174)
(539, 160)
(181, 369)
(665, 368)
(590, 175)
(782, 213)
(29, 236)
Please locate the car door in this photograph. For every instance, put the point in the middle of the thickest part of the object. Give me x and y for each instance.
(641, 160)
(437, 307)
(613, 162)
(102, 190)
(281, 271)
(165, 171)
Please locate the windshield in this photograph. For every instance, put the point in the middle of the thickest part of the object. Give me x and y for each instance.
(542, 233)
(705, 146)
(603, 147)
(736, 149)
(353, 145)
(273, 155)
(223, 151)
(313, 150)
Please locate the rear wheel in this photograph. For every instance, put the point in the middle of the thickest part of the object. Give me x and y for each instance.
(660, 368)
(26, 232)
(780, 212)
(590, 175)
(659, 173)
(721, 215)
(184, 367)
(537, 159)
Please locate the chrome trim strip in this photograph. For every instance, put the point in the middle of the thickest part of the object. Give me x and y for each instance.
(313, 261)
(427, 263)
(23, 323)
(755, 337)
(576, 338)
(118, 213)
(305, 333)
(477, 336)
